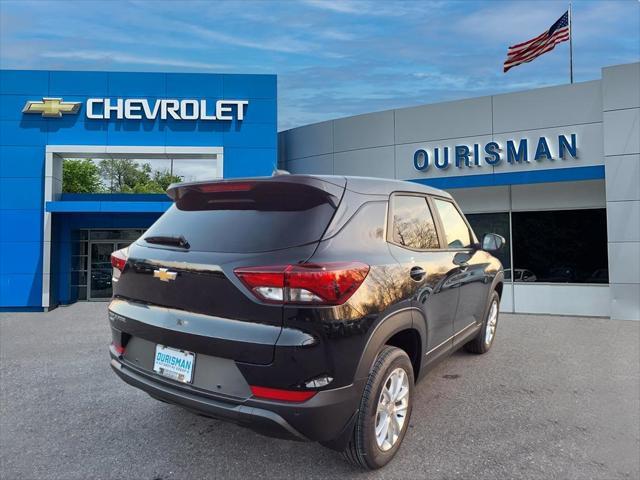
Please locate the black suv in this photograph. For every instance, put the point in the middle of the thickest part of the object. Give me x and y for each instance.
(304, 307)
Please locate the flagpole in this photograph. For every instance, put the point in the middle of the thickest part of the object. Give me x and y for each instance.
(570, 44)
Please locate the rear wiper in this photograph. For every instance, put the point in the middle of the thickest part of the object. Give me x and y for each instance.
(172, 240)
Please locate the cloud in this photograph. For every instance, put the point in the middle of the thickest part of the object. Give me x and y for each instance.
(332, 58)
(339, 6)
(332, 34)
(123, 58)
(515, 22)
(275, 43)
(374, 7)
(508, 23)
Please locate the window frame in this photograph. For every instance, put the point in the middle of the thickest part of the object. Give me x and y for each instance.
(443, 234)
(389, 226)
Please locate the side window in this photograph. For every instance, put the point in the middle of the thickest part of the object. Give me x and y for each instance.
(455, 228)
(413, 225)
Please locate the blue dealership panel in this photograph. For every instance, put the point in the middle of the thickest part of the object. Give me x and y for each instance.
(250, 149)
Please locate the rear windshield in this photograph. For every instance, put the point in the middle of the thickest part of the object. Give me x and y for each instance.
(261, 217)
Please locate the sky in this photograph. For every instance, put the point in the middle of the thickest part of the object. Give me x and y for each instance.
(333, 58)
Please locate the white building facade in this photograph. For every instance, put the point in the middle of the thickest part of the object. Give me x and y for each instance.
(555, 170)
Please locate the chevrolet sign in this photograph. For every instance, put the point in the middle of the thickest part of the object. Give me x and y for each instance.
(141, 109)
(51, 107)
(186, 109)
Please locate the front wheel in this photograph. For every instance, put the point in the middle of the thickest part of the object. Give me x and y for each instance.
(385, 408)
(483, 341)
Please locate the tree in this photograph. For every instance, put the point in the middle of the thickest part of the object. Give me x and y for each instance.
(165, 178)
(127, 176)
(114, 176)
(80, 176)
(122, 175)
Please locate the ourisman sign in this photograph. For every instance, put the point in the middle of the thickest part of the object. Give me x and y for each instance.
(492, 153)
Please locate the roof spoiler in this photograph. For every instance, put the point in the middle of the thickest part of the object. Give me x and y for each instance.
(178, 190)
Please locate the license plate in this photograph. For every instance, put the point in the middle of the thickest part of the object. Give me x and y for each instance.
(173, 363)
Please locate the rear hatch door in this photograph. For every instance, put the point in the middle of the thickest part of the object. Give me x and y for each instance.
(180, 273)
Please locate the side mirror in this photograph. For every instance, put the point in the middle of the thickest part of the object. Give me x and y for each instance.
(492, 242)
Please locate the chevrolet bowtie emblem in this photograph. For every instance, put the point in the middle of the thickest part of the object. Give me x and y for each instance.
(51, 107)
(164, 275)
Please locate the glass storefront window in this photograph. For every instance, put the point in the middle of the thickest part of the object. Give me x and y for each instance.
(82, 245)
(79, 262)
(562, 246)
(92, 266)
(78, 278)
(82, 293)
(194, 170)
(126, 234)
(494, 223)
(129, 175)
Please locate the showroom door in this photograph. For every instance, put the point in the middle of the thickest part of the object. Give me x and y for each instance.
(100, 268)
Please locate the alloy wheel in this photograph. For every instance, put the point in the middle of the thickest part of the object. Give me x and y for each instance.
(392, 409)
(492, 323)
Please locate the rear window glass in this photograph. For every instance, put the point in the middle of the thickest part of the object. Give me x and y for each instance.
(413, 224)
(267, 216)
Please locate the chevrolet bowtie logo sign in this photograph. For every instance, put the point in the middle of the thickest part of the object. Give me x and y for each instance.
(51, 107)
(164, 275)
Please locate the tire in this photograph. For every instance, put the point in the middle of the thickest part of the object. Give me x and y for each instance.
(481, 343)
(363, 449)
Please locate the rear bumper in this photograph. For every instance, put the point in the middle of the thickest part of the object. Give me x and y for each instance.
(327, 417)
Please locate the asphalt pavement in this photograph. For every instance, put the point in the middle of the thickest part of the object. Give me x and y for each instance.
(556, 397)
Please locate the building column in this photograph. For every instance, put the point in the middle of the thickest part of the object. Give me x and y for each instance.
(621, 125)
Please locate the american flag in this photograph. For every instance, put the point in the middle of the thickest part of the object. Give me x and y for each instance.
(531, 49)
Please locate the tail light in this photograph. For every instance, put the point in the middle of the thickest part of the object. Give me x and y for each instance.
(282, 395)
(310, 283)
(118, 261)
(117, 348)
(225, 187)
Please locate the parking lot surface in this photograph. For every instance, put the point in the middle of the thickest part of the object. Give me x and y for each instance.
(556, 397)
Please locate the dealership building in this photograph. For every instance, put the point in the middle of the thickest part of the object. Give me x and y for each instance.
(55, 246)
(555, 170)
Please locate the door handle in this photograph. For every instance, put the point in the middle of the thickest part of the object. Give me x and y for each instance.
(417, 273)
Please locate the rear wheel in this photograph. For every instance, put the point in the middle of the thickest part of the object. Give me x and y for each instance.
(385, 410)
(483, 341)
